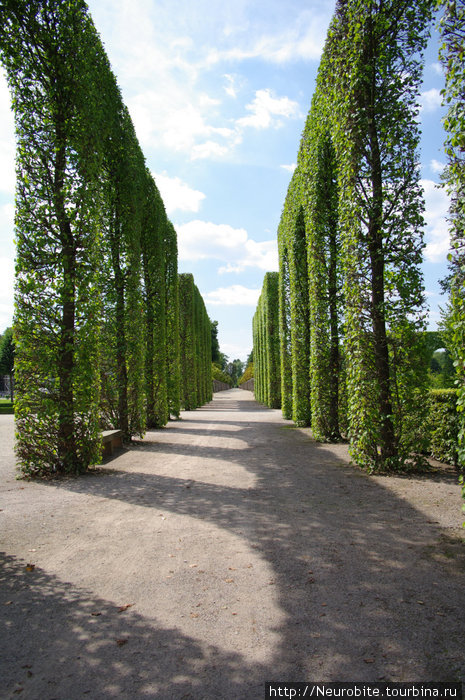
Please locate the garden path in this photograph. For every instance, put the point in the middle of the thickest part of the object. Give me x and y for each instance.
(223, 551)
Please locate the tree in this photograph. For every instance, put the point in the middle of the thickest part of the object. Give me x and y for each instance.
(452, 29)
(235, 370)
(97, 301)
(54, 66)
(7, 357)
(216, 354)
(375, 71)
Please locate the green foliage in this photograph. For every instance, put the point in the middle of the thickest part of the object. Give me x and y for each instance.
(325, 299)
(195, 345)
(172, 320)
(350, 240)
(443, 425)
(462, 485)
(217, 355)
(266, 350)
(7, 356)
(284, 294)
(221, 376)
(7, 352)
(97, 302)
(248, 374)
(452, 30)
(235, 370)
(46, 49)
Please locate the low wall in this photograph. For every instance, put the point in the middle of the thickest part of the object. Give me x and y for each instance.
(219, 386)
(248, 385)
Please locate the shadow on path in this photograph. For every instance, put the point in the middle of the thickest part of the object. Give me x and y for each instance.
(370, 589)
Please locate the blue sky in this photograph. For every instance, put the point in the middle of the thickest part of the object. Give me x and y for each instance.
(219, 91)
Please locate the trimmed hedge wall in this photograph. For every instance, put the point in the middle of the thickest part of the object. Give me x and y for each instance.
(267, 386)
(443, 425)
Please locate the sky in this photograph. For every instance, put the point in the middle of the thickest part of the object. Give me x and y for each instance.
(219, 91)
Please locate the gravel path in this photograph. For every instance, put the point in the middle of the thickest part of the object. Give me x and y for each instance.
(223, 551)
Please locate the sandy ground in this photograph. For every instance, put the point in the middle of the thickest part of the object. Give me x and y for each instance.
(223, 551)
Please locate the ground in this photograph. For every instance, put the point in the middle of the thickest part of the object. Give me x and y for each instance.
(223, 551)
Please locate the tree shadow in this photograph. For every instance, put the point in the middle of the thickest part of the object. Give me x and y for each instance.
(368, 587)
(62, 642)
(324, 527)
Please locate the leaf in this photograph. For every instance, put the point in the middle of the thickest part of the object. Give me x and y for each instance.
(125, 607)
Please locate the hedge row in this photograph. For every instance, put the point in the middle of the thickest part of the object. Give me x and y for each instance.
(350, 241)
(267, 385)
(443, 425)
(195, 346)
(97, 309)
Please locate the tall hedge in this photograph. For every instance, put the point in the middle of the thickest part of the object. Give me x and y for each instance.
(266, 347)
(97, 305)
(356, 200)
(195, 345)
(452, 30)
(46, 48)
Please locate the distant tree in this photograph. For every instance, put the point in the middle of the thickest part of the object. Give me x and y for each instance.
(248, 373)
(221, 376)
(235, 370)
(7, 356)
(216, 354)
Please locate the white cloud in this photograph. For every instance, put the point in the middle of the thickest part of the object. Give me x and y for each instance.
(264, 107)
(7, 139)
(209, 149)
(235, 295)
(230, 87)
(430, 100)
(437, 68)
(260, 254)
(436, 166)
(177, 195)
(437, 231)
(201, 240)
(163, 62)
(236, 350)
(303, 40)
(289, 168)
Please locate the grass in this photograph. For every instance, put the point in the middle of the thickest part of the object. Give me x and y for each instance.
(6, 407)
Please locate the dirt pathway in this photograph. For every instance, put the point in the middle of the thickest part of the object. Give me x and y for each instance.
(223, 551)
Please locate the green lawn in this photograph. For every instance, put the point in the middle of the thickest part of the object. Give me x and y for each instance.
(6, 406)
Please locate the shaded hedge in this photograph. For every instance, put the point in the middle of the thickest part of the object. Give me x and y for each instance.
(96, 298)
(266, 344)
(195, 345)
(443, 425)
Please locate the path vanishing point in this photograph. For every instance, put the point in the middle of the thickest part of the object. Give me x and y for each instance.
(223, 551)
